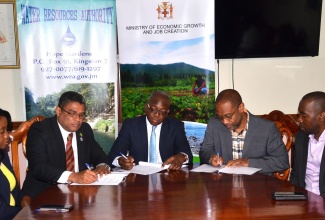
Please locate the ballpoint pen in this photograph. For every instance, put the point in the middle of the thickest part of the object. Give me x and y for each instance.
(123, 155)
(88, 167)
(218, 159)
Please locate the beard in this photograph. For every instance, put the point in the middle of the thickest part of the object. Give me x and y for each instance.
(234, 125)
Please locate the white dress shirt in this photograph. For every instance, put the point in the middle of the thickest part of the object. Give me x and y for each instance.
(65, 175)
(314, 159)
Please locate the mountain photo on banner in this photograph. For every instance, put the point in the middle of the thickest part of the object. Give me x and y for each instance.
(100, 111)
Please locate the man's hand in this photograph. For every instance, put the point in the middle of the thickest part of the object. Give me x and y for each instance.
(216, 161)
(175, 161)
(86, 176)
(238, 163)
(102, 170)
(126, 163)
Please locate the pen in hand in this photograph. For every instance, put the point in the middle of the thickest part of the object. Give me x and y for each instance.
(123, 156)
(218, 159)
(88, 166)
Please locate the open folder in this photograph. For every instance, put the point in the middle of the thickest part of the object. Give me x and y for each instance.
(230, 170)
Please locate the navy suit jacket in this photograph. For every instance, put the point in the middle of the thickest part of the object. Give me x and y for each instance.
(133, 139)
(298, 172)
(263, 145)
(7, 211)
(45, 152)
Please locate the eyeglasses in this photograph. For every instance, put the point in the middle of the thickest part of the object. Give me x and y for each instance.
(74, 114)
(155, 111)
(229, 116)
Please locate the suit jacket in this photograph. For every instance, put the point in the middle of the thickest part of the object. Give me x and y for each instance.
(7, 211)
(263, 144)
(133, 138)
(298, 172)
(45, 152)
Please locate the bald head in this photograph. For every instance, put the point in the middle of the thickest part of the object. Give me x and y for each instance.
(158, 96)
(229, 95)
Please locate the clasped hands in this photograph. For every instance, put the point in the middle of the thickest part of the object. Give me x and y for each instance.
(175, 161)
(88, 176)
(218, 161)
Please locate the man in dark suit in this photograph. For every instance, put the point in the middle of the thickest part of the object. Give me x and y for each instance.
(47, 146)
(134, 139)
(237, 138)
(309, 157)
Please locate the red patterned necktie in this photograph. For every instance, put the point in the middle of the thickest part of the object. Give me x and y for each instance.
(69, 154)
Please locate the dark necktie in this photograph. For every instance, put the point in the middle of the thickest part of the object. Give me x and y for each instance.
(153, 155)
(69, 154)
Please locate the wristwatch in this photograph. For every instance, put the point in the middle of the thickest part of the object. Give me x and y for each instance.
(104, 164)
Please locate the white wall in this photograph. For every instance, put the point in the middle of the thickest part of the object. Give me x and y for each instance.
(11, 93)
(265, 83)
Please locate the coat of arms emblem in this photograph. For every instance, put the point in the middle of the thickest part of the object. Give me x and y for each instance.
(165, 10)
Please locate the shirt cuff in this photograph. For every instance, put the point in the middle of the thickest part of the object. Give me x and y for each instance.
(64, 177)
(186, 161)
(115, 162)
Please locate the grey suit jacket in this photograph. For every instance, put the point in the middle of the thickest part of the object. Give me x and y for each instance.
(263, 145)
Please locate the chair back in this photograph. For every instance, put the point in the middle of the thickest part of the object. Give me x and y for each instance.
(19, 136)
(288, 128)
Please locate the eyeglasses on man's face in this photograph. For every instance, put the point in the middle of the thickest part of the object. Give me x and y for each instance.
(74, 115)
(159, 111)
(228, 116)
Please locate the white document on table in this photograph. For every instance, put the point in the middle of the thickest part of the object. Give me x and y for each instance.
(146, 168)
(223, 169)
(206, 168)
(109, 179)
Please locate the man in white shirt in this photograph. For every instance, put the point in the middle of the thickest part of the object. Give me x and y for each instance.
(309, 160)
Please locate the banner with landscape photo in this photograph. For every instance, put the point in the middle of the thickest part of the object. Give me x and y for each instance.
(168, 46)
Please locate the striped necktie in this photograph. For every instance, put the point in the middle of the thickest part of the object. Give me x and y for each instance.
(69, 154)
(153, 155)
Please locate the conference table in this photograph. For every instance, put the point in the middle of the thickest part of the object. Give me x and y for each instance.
(179, 195)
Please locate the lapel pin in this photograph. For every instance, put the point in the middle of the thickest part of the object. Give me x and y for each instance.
(81, 138)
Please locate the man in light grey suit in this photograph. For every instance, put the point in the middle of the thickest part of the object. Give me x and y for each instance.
(235, 137)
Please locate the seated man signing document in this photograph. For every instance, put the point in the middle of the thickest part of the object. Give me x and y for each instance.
(152, 138)
(237, 138)
(62, 148)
